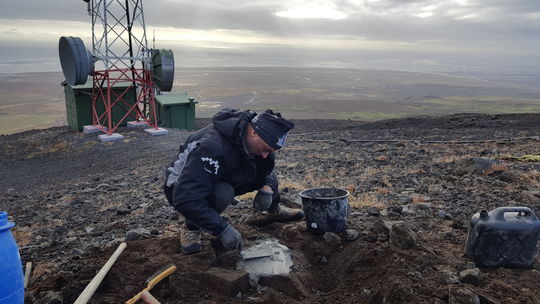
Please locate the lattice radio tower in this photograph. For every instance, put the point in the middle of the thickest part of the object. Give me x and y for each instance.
(120, 55)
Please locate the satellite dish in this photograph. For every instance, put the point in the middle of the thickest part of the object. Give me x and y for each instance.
(163, 69)
(75, 59)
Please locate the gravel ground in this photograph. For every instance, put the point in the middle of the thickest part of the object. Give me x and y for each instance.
(414, 184)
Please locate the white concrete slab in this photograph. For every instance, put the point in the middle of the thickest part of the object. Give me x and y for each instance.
(112, 137)
(158, 131)
(133, 124)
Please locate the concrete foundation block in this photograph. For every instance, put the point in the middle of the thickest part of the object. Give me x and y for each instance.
(134, 124)
(89, 129)
(158, 131)
(112, 137)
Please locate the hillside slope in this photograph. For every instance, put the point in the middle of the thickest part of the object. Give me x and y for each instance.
(414, 185)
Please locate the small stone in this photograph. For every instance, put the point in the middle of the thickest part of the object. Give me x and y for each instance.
(471, 276)
(463, 296)
(366, 293)
(324, 260)
(287, 284)
(227, 282)
(121, 210)
(393, 214)
(396, 209)
(499, 184)
(373, 211)
(45, 245)
(474, 165)
(450, 234)
(441, 214)
(420, 206)
(414, 274)
(509, 176)
(435, 189)
(486, 152)
(351, 235)
(77, 251)
(450, 278)
(381, 226)
(459, 224)
(138, 233)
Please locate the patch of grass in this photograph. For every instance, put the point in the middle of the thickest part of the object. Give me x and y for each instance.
(533, 177)
(368, 115)
(40, 149)
(495, 168)
(484, 104)
(18, 98)
(247, 196)
(446, 159)
(21, 122)
(369, 199)
(291, 184)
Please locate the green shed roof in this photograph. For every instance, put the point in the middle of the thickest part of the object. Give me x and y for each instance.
(174, 99)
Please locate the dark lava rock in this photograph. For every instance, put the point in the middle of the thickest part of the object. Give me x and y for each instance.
(509, 176)
(373, 211)
(463, 296)
(402, 236)
(136, 234)
(474, 165)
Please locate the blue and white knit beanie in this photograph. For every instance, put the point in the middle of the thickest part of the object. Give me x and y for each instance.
(272, 128)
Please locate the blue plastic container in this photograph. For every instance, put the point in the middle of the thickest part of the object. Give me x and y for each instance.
(11, 273)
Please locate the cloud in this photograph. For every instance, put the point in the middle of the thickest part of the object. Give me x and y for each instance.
(460, 27)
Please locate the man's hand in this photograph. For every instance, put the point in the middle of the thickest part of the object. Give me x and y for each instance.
(231, 238)
(262, 200)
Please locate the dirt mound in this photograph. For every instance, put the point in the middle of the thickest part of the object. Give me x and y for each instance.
(414, 185)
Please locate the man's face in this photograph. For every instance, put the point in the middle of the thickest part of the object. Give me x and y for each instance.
(257, 146)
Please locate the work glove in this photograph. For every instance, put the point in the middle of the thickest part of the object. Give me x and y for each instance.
(262, 201)
(231, 238)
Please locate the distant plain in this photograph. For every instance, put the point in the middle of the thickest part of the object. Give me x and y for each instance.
(35, 100)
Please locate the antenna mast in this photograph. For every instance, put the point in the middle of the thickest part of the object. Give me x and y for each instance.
(120, 46)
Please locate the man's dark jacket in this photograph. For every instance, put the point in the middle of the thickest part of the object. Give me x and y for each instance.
(215, 153)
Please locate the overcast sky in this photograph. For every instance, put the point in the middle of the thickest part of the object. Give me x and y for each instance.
(421, 35)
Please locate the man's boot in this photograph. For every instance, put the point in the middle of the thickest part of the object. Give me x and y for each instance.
(190, 240)
(279, 214)
(285, 214)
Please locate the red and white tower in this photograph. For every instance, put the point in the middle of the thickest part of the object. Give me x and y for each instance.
(120, 57)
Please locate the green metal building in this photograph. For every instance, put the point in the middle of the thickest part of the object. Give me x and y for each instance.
(79, 104)
(176, 111)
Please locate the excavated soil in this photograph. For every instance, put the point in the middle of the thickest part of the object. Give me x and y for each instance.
(414, 184)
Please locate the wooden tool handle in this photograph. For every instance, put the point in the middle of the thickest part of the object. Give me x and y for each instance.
(148, 298)
(94, 284)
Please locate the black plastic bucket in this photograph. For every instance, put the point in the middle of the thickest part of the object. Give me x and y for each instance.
(326, 209)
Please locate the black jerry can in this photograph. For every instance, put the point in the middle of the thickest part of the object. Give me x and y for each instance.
(503, 237)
